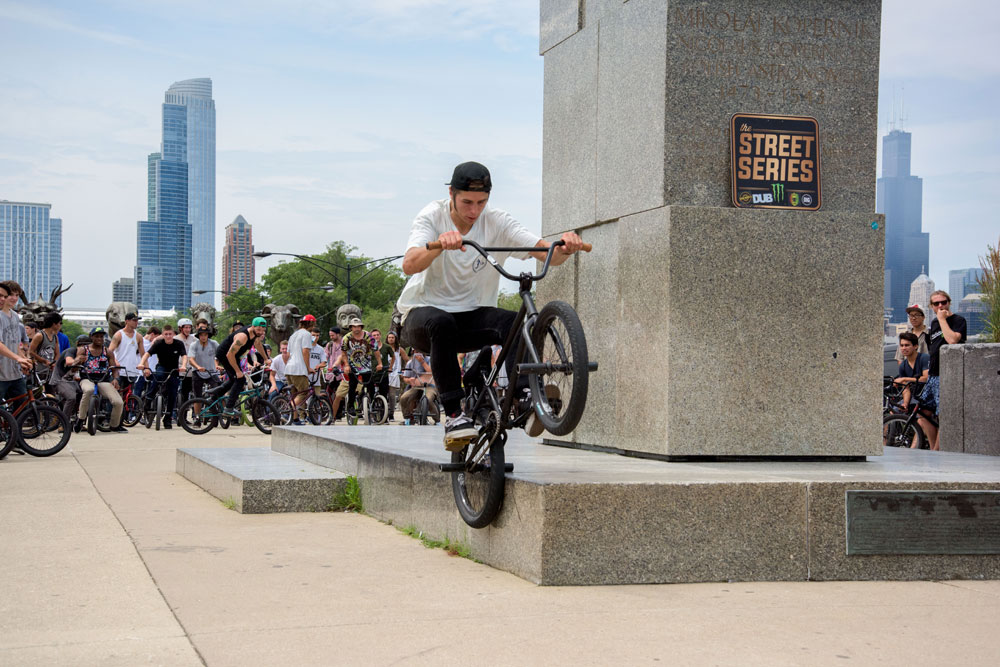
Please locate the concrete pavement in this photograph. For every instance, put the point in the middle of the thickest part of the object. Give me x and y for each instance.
(113, 559)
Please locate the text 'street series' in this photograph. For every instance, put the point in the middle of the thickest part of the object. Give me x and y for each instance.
(775, 162)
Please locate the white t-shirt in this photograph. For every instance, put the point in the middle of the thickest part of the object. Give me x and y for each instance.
(316, 357)
(278, 366)
(302, 339)
(458, 281)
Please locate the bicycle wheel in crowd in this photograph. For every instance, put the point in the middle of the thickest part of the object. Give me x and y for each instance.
(320, 410)
(104, 416)
(44, 430)
(285, 410)
(896, 433)
(92, 418)
(159, 410)
(479, 488)
(379, 410)
(562, 393)
(131, 411)
(195, 416)
(423, 409)
(10, 433)
(264, 414)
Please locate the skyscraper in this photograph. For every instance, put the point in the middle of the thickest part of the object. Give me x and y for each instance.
(920, 294)
(195, 97)
(899, 196)
(30, 248)
(237, 256)
(178, 239)
(123, 289)
(962, 282)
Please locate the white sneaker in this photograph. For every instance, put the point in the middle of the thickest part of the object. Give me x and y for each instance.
(533, 427)
(458, 431)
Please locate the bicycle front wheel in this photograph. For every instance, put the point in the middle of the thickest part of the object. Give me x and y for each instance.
(44, 430)
(10, 433)
(479, 488)
(320, 410)
(285, 409)
(195, 416)
(559, 396)
(132, 411)
(380, 410)
(264, 415)
(896, 432)
(159, 410)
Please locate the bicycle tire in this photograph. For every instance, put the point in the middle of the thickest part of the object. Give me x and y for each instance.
(380, 410)
(319, 409)
(131, 411)
(896, 433)
(264, 415)
(559, 339)
(284, 409)
(10, 433)
(159, 410)
(92, 419)
(423, 407)
(103, 417)
(40, 426)
(194, 423)
(479, 491)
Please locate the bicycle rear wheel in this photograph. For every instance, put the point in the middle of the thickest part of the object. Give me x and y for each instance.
(558, 336)
(196, 417)
(10, 433)
(379, 410)
(479, 488)
(44, 430)
(285, 409)
(897, 433)
(264, 415)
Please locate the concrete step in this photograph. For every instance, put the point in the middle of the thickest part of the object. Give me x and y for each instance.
(257, 480)
(581, 517)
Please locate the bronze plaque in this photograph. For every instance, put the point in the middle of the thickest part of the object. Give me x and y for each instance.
(775, 162)
(923, 522)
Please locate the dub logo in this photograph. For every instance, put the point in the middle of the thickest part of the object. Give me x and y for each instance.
(778, 192)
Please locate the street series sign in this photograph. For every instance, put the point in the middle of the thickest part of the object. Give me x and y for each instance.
(775, 162)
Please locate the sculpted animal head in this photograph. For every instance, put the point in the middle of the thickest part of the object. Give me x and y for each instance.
(281, 321)
(33, 313)
(204, 311)
(115, 314)
(345, 313)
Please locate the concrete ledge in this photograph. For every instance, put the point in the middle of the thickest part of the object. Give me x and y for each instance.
(259, 481)
(578, 517)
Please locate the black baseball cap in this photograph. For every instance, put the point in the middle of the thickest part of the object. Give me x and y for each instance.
(131, 316)
(471, 177)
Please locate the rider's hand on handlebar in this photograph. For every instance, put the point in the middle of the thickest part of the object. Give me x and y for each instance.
(451, 240)
(573, 243)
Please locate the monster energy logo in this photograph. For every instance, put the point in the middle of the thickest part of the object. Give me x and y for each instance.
(778, 190)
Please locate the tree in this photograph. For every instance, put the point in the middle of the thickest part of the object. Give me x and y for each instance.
(72, 330)
(989, 286)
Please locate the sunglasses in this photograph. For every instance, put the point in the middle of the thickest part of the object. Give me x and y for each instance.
(939, 303)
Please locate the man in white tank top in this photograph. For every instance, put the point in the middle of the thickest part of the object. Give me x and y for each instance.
(127, 346)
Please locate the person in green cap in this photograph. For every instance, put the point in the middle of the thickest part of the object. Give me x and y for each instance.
(231, 350)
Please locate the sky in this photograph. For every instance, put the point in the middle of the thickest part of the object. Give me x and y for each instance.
(339, 120)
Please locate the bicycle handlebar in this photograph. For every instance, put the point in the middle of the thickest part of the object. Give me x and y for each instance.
(484, 251)
(436, 245)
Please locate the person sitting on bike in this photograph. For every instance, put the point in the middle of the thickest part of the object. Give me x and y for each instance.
(97, 368)
(914, 366)
(277, 374)
(449, 304)
(171, 355)
(128, 347)
(317, 363)
(357, 349)
(44, 346)
(65, 379)
(386, 353)
(201, 357)
(230, 351)
(417, 375)
(13, 365)
(335, 369)
(297, 369)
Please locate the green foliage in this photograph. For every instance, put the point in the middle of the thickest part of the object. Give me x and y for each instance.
(348, 500)
(451, 548)
(318, 286)
(229, 503)
(989, 286)
(72, 330)
(510, 301)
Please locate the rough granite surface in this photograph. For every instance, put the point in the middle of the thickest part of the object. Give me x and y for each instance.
(970, 396)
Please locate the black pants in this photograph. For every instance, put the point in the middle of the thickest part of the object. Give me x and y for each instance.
(444, 335)
(352, 387)
(234, 385)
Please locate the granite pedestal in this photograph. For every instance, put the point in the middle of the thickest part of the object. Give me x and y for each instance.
(970, 398)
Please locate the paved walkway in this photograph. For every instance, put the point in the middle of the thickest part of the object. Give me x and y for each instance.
(113, 559)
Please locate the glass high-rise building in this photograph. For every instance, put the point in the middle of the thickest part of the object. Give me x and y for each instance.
(962, 282)
(177, 242)
(238, 268)
(31, 248)
(194, 96)
(123, 289)
(899, 196)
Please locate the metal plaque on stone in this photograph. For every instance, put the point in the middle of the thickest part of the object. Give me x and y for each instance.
(775, 162)
(923, 522)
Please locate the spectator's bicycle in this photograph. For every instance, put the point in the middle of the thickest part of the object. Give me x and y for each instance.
(201, 414)
(99, 412)
(902, 429)
(132, 406)
(367, 409)
(551, 352)
(10, 433)
(44, 427)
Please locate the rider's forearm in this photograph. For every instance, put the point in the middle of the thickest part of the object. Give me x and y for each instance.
(418, 259)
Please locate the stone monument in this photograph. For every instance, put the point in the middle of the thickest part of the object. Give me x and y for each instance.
(720, 331)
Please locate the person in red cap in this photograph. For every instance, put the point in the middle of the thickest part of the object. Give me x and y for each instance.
(297, 369)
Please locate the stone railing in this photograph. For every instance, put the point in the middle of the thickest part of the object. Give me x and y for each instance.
(970, 398)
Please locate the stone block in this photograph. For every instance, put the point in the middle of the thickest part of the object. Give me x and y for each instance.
(597, 12)
(630, 124)
(558, 20)
(951, 416)
(570, 134)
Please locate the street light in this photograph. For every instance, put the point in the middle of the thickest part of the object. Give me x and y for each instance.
(329, 287)
(349, 284)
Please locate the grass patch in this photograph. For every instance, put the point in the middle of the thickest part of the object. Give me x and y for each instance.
(229, 503)
(451, 548)
(348, 500)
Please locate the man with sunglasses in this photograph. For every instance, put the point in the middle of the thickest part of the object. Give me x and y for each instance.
(946, 329)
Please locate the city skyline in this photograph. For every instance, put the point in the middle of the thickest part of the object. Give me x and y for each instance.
(344, 120)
